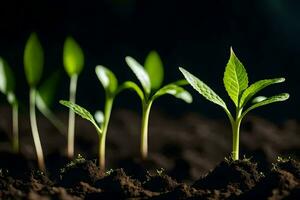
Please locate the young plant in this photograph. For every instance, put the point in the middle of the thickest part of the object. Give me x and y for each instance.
(45, 98)
(73, 60)
(7, 87)
(236, 84)
(111, 87)
(151, 78)
(33, 66)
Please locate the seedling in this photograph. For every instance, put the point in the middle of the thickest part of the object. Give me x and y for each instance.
(101, 121)
(151, 78)
(33, 66)
(236, 84)
(45, 98)
(7, 87)
(73, 59)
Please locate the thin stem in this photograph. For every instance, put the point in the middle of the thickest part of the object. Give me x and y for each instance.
(71, 126)
(236, 139)
(236, 134)
(34, 129)
(144, 130)
(15, 128)
(104, 127)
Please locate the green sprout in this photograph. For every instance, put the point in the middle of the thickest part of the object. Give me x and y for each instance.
(45, 98)
(101, 120)
(151, 78)
(7, 87)
(33, 66)
(236, 84)
(73, 60)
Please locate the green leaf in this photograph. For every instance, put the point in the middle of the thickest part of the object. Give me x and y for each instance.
(140, 73)
(273, 99)
(203, 89)
(256, 87)
(73, 57)
(155, 69)
(132, 86)
(82, 112)
(99, 117)
(235, 78)
(176, 91)
(48, 88)
(258, 99)
(181, 82)
(33, 60)
(107, 79)
(7, 79)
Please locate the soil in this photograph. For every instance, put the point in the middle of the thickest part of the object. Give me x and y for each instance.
(188, 160)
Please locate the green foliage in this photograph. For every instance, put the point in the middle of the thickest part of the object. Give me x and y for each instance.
(82, 112)
(176, 91)
(140, 73)
(151, 77)
(107, 79)
(268, 100)
(33, 60)
(155, 69)
(235, 78)
(73, 57)
(256, 87)
(7, 79)
(143, 77)
(236, 84)
(202, 88)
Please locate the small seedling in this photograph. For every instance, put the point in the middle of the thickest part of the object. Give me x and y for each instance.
(45, 98)
(151, 78)
(73, 60)
(33, 66)
(87, 115)
(7, 87)
(236, 84)
(101, 121)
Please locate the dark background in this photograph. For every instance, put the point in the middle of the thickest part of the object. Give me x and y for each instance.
(194, 34)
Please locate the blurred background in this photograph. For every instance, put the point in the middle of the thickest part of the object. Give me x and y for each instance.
(193, 34)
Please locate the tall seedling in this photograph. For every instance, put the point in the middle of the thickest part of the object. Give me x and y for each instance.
(7, 87)
(101, 121)
(151, 78)
(236, 84)
(73, 60)
(33, 66)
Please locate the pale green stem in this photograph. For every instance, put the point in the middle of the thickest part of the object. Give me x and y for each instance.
(144, 130)
(71, 126)
(104, 127)
(236, 134)
(15, 128)
(35, 133)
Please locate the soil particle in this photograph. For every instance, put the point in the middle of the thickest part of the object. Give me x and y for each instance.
(83, 189)
(160, 183)
(118, 185)
(80, 170)
(276, 185)
(182, 191)
(240, 174)
(289, 165)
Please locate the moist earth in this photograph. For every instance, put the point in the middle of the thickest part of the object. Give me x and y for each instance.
(188, 160)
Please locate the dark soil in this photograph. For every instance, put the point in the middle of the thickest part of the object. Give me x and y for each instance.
(186, 161)
(82, 179)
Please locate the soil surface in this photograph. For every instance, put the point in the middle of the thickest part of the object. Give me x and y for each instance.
(188, 159)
